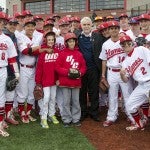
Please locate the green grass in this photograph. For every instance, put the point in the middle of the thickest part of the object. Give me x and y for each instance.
(32, 137)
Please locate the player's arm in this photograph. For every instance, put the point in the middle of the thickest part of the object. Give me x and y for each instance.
(123, 75)
(104, 67)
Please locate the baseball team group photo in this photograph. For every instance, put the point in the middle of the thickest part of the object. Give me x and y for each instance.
(71, 81)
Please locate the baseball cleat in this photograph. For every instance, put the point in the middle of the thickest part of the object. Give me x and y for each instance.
(44, 123)
(3, 133)
(12, 121)
(107, 123)
(5, 125)
(31, 118)
(25, 119)
(53, 119)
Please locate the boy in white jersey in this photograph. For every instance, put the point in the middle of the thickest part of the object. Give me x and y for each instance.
(137, 65)
(8, 55)
(113, 56)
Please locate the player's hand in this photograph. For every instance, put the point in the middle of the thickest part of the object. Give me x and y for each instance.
(122, 72)
(49, 50)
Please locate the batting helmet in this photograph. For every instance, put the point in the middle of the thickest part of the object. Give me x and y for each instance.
(70, 36)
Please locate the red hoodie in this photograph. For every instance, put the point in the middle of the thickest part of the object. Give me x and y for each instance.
(45, 69)
(66, 60)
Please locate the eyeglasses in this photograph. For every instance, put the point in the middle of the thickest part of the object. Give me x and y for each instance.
(127, 43)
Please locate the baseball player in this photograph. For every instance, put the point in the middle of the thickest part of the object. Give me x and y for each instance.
(144, 21)
(113, 56)
(135, 28)
(137, 65)
(28, 45)
(8, 54)
(9, 31)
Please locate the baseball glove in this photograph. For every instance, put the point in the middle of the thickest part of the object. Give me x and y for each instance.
(140, 41)
(104, 86)
(38, 92)
(11, 83)
(74, 73)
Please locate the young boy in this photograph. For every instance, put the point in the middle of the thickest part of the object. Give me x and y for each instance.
(70, 60)
(45, 76)
(137, 65)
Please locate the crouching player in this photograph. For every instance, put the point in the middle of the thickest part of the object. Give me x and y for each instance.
(137, 65)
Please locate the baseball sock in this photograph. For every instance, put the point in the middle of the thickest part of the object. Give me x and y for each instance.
(1, 114)
(145, 108)
(8, 107)
(137, 118)
(29, 108)
(21, 108)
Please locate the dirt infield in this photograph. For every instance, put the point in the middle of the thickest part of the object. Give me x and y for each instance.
(115, 137)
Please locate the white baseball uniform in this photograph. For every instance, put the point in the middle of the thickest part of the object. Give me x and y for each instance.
(137, 65)
(27, 68)
(114, 55)
(7, 51)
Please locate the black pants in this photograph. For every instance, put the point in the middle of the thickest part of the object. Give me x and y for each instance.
(90, 86)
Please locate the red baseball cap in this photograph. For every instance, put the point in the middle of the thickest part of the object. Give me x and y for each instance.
(38, 18)
(30, 22)
(123, 15)
(103, 26)
(75, 18)
(63, 22)
(113, 24)
(3, 16)
(70, 36)
(50, 18)
(125, 38)
(27, 12)
(18, 14)
(144, 17)
(49, 22)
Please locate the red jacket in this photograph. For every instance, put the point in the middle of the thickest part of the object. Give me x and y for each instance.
(66, 60)
(45, 69)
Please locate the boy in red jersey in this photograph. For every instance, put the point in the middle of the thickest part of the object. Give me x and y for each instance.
(70, 58)
(45, 76)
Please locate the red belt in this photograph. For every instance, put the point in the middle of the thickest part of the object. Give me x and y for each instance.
(27, 66)
(114, 70)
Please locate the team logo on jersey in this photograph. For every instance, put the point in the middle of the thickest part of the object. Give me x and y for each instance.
(131, 69)
(111, 53)
(72, 62)
(3, 46)
(51, 57)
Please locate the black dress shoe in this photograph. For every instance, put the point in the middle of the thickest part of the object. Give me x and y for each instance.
(95, 118)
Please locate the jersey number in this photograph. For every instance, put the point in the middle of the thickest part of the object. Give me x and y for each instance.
(3, 56)
(143, 71)
(121, 59)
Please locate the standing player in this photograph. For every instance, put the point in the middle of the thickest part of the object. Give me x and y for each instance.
(8, 54)
(112, 56)
(10, 31)
(29, 46)
(137, 65)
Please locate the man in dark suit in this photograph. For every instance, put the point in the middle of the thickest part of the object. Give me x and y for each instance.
(90, 46)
